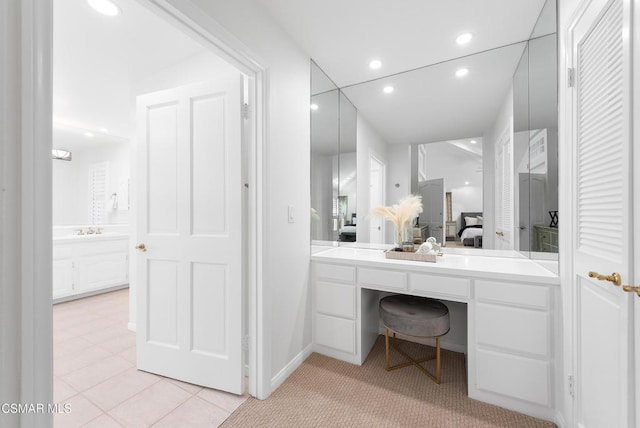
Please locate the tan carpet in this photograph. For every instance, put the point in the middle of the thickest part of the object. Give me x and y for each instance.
(324, 392)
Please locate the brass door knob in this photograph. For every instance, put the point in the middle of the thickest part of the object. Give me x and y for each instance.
(141, 247)
(631, 289)
(500, 233)
(614, 277)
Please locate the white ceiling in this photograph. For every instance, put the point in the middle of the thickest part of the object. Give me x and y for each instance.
(98, 58)
(344, 36)
(432, 104)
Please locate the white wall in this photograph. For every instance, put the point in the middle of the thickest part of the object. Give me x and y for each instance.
(369, 143)
(322, 192)
(71, 182)
(349, 182)
(489, 139)
(287, 300)
(198, 68)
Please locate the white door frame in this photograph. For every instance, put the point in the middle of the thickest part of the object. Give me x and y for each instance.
(36, 97)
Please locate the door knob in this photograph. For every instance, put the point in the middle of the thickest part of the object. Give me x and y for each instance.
(141, 247)
(500, 233)
(614, 277)
(631, 289)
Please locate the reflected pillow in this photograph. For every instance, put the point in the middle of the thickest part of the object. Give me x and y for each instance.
(471, 221)
(480, 219)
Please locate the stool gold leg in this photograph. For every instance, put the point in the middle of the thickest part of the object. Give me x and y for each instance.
(438, 360)
(386, 342)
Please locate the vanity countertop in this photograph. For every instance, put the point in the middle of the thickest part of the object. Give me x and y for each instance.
(479, 267)
(104, 236)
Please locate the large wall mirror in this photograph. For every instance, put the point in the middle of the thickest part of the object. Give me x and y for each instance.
(333, 163)
(476, 136)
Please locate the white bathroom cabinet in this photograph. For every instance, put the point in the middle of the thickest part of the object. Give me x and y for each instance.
(511, 304)
(85, 265)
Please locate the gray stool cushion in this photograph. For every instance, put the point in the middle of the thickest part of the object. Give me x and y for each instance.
(415, 316)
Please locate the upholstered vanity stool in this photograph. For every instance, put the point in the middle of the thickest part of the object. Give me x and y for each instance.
(417, 317)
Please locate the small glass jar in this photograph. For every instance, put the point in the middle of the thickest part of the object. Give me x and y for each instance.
(407, 239)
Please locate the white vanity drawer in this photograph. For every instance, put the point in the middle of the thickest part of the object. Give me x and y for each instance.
(441, 285)
(534, 296)
(516, 329)
(384, 279)
(99, 248)
(336, 299)
(335, 272)
(336, 333)
(513, 376)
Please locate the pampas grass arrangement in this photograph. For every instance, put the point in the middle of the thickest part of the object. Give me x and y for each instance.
(401, 214)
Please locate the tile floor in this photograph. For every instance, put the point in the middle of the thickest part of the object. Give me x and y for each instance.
(94, 372)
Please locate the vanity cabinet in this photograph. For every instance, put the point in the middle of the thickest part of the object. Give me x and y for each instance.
(513, 345)
(334, 303)
(510, 343)
(86, 265)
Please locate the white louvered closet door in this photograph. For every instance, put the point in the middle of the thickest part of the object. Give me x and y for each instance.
(602, 229)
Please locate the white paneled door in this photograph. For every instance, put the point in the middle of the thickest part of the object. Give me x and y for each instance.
(433, 198)
(603, 236)
(189, 220)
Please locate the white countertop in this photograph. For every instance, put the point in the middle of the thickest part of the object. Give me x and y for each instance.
(104, 236)
(472, 266)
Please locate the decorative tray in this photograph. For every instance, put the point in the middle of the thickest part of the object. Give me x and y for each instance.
(406, 255)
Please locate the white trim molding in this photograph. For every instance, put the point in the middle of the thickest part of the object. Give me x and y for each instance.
(291, 367)
(25, 290)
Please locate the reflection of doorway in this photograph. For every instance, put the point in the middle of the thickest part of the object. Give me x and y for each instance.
(376, 198)
(432, 192)
(530, 206)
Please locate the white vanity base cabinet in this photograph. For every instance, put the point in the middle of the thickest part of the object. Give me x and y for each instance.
(334, 312)
(510, 322)
(85, 266)
(511, 354)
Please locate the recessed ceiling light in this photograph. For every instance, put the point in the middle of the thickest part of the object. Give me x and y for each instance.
(105, 7)
(103, 130)
(473, 141)
(387, 89)
(375, 64)
(88, 134)
(462, 72)
(464, 38)
(313, 106)
(466, 183)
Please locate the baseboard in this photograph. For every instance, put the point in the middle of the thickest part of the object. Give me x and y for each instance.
(131, 326)
(455, 347)
(88, 293)
(283, 374)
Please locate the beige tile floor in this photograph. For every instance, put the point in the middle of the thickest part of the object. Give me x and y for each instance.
(94, 372)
